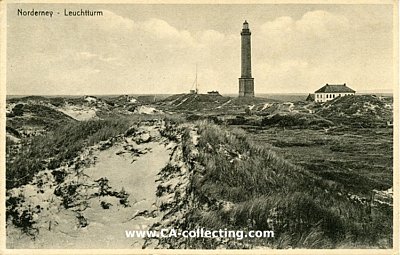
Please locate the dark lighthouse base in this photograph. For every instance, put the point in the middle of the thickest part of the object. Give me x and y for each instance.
(246, 87)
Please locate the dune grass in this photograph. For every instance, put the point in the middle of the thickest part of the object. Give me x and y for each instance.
(266, 192)
(58, 147)
(64, 142)
(357, 160)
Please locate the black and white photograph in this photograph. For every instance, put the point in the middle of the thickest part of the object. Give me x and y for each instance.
(158, 127)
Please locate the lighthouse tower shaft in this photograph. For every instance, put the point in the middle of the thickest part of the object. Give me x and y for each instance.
(246, 82)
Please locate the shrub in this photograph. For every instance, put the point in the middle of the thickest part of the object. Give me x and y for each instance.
(239, 120)
(283, 121)
(300, 120)
(18, 110)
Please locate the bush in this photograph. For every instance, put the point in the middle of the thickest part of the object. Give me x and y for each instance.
(18, 110)
(283, 121)
(296, 120)
(239, 120)
(21, 218)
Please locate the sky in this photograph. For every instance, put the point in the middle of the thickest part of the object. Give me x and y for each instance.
(146, 49)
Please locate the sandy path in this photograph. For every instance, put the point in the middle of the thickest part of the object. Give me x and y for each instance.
(78, 113)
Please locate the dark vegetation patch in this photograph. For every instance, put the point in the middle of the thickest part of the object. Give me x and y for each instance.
(35, 116)
(28, 98)
(13, 132)
(300, 120)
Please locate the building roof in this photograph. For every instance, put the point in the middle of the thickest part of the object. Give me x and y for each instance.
(335, 89)
(213, 92)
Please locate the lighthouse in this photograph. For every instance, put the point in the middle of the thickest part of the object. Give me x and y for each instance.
(246, 82)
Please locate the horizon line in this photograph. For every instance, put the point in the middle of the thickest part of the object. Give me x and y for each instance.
(152, 94)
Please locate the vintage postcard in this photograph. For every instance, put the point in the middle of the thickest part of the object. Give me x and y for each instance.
(200, 127)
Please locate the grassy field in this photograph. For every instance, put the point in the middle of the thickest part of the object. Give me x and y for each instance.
(357, 160)
(241, 183)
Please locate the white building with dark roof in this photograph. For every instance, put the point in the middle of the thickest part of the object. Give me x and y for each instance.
(329, 92)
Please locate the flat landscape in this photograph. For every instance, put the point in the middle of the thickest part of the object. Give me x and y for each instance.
(320, 175)
(365, 155)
